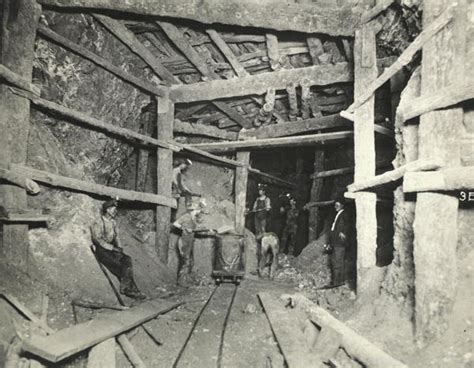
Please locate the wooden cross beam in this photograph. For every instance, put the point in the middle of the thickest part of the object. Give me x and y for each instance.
(246, 13)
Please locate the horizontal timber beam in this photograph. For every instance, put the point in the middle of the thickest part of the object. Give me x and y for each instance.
(344, 171)
(393, 175)
(317, 75)
(267, 178)
(203, 130)
(103, 63)
(17, 80)
(246, 13)
(19, 180)
(92, 188)
(441, 98)
(306, 140)
(77, 116)
(459, 178)
(295, 127)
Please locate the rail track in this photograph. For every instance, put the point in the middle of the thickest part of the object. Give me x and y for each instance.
(215, 312)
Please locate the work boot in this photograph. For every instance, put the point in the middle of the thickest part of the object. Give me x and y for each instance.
(135, 294)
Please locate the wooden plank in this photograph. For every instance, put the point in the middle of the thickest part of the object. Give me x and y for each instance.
(296, 127)
(327, 343)
(203, 130)
(229, 55)
(102, 355)
(355, 344)
(270, 179)
(384, 131)
(246, 13)
(365, 71)
(273, 53)
(19, 180)
(23, 218)
(99, 61)
(74, 339)
(316, 188)
(405, 57)
(164, 172)
(345, 170)
(306, 140)
(460, 178)
(317, 75)
(289, 338)
(130, 351)
(79, 117)
(93, 188)
(394, 175)
(379, 7)
(176, 36)
(319, 204)
(130, 40)
(441, 98)
(17, 80)
(240, 190)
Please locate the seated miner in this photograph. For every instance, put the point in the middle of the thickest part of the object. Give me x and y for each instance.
(109, 252)
(261, 207)
(188, 224)
(288, 237)
(338, 242)
(179, 189)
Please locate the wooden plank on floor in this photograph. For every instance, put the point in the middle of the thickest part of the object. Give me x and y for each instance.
(75, 339)
(102, 355)
(327, 343)
(290, 338)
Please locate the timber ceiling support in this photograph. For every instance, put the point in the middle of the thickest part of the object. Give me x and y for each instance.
(246, 13)
(176, 36)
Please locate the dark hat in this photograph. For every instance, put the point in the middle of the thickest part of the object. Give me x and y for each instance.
(261, 186)
(340, 198)
(109, 203)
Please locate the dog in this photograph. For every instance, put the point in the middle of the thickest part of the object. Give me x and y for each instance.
(269, 247)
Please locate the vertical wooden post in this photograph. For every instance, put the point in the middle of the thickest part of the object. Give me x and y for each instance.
(164, 167)
(316, 187)
(436, 214)
(365, 71)
(18, 33)
(240, 189)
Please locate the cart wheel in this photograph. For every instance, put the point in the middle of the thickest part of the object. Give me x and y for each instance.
(237, 281)
(218, 281)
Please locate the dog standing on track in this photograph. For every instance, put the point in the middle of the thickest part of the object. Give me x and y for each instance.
(268, 247)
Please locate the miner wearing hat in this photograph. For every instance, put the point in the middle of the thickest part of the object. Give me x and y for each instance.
(179, 189)
(188, 225)
(339, 242)
(288, 237)
(261, 208)
(109, 251)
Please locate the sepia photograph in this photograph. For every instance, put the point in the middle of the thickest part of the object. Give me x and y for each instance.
(236, 183)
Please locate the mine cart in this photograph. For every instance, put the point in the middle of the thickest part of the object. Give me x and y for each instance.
(229, 258)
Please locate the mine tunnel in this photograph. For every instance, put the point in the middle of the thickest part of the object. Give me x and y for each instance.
(239, 183)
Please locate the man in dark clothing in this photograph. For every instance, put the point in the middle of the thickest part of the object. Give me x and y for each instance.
(109, 251)
(261, 208)
(288, 237)
(339, 242)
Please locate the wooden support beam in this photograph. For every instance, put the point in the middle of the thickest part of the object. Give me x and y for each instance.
(72, 340)
(405, 57)
(306, 140)
(240, 190)
(203, 130)
(17, 40)
(318, 75)
(444, 62)
(92, 188)
(272, 51)
(17, 80)
(24, 219)
(327, 343)
(346, 170)
(130, 351)
(315, 47)
(164, 172)
(380, 6)
(246, 13)
(292, 101)
(365, 71)
(270, 179)
(297, 127)
(319, 204)
(460, 178)
(438, 99)
(316, 188)
(384, 131)
(227, 52)
(393, 175)
(101, 62)
(130, 40)
(176, 36)
(79, 117)
(26, 183)
(355, 344)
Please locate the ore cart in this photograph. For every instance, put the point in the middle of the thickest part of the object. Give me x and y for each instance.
(229, 258)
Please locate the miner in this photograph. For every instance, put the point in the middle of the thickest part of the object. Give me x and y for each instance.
(288, 237)
(109, 251)
(179, 189)
(188, 224)
(261, 208)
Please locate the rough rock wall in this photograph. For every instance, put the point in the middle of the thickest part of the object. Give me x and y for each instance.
(70, 150)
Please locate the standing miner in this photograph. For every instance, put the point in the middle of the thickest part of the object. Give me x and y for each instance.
(261, 208)
(288, 237)
(109, 251)
(179, 189)
(189, 225)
